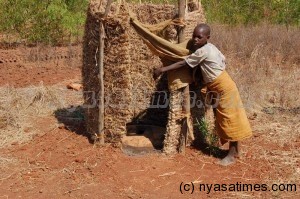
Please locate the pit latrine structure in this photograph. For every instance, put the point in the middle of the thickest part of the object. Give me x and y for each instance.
(132, 96)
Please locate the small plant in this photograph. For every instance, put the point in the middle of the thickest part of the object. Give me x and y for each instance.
(209, 136)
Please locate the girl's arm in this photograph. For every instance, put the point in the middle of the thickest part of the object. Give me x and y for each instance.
(157, 72)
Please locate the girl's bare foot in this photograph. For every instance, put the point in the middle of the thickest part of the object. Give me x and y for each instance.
(232, 154)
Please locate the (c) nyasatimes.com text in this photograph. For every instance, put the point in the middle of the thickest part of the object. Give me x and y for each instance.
(234, 187)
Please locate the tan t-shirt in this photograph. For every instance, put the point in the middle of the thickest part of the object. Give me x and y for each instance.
(210, 60)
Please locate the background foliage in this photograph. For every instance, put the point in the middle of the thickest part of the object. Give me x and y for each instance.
(233, 12)
(48, 21)
(61, 21)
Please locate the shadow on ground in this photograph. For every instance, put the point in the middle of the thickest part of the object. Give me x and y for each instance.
(210, 150)
(72, 119)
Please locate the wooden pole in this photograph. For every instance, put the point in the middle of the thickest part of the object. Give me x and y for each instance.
(181, 16)
(186, 96)
(101, 74)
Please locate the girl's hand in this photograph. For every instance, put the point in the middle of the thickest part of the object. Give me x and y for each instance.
(157, 72)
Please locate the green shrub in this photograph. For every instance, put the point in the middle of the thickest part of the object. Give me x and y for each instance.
(210, 138)
(50, 21)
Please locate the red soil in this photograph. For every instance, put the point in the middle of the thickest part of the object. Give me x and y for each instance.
(61, 163)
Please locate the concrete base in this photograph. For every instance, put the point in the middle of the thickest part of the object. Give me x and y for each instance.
(143, 139)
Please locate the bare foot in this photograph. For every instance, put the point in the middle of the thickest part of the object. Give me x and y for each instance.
(228, 160)
(232, 154)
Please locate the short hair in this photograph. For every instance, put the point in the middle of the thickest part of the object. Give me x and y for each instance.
(205, 27)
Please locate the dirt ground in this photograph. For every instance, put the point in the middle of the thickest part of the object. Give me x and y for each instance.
(21, 67)
(59, 161)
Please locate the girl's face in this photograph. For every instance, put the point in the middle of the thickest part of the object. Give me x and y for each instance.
(199, 37)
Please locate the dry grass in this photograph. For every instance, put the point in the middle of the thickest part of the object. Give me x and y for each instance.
(264, 61)
(19, 107)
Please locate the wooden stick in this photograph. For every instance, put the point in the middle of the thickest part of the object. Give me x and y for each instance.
(101, 74)
(107, 9)
(186, 90)
(183, 135)
(181, 15)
